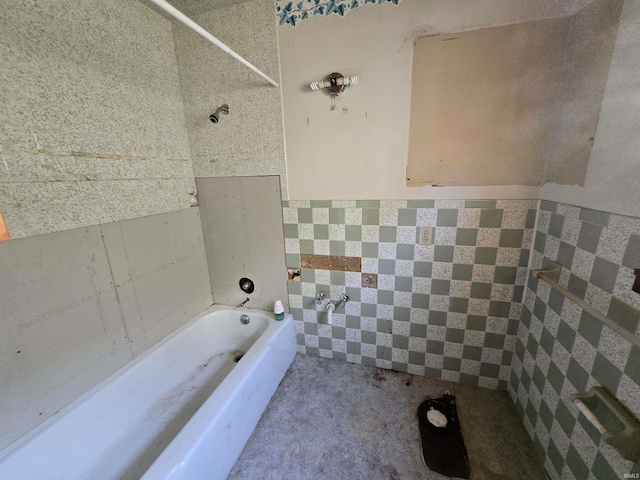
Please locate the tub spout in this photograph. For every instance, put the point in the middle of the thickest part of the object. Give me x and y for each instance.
(242, 304)
(331, 306)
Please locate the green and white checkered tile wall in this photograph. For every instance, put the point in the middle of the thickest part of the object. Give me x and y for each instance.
(562, 350)
(448, 310)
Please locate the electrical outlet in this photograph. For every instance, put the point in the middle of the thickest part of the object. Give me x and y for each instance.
(425, 236)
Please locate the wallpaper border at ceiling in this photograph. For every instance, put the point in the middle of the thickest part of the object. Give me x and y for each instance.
(291, 12)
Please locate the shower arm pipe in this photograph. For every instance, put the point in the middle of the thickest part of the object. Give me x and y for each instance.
(198, 29)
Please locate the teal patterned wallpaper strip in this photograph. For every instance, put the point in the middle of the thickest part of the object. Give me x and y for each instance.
(291, 12)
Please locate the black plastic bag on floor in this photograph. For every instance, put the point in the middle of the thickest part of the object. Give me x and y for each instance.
(442, 443)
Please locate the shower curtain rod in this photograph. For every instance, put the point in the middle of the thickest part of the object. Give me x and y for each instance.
(198, 29)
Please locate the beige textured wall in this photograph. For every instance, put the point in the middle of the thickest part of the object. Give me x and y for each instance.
(250, 139)
(587, 57)
(359, 151)
(611, 182)
(92, 124)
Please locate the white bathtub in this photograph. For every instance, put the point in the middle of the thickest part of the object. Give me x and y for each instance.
(183, 410)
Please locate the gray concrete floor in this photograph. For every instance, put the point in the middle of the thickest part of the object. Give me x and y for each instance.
(334, 420)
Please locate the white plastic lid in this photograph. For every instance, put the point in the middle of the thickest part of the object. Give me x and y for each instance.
(277, 307)
(436, 418)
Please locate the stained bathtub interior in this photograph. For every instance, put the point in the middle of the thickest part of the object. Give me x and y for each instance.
(125, 212)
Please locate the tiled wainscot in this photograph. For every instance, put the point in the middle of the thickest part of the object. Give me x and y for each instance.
(448, 310)
(562, 350)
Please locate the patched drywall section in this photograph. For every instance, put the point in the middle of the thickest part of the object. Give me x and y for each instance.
(250, 139)
(515, 104)
(66, 324)
(92, 126)
(242, 223)
(482, 104)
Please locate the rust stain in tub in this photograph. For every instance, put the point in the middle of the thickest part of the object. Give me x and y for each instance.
(235, 354)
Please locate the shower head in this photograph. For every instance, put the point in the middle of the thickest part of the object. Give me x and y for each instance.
(215, 117)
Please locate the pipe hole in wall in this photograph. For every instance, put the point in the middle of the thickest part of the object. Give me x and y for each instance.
(247, 285)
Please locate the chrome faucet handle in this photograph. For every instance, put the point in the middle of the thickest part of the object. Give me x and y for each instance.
(320, 296)
(344, 298)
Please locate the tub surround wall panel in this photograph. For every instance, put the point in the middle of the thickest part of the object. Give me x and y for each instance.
(160, 272)
(242, 223)
(61, 329)
(561, 350)
(78, 305)
(250, 139)
(93, 128)
(448, 310)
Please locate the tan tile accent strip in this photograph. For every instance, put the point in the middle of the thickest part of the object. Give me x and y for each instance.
(331, 262)
(4, 234)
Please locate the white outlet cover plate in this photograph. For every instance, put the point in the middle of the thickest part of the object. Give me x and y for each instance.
(425, 236)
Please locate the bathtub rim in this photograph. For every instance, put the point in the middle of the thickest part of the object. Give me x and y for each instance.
(67, 409)
(184, 445)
